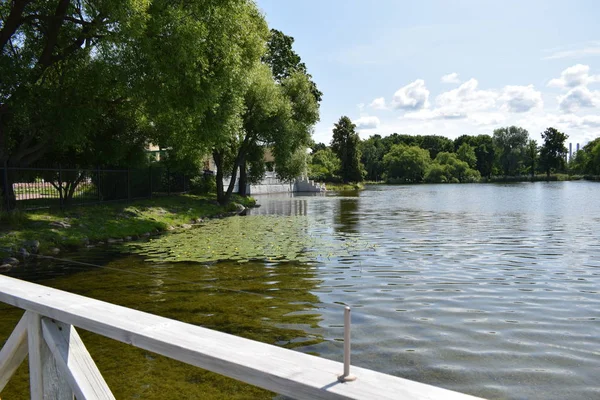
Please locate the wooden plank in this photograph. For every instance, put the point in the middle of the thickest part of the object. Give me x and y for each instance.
(75, 361)
(280, 370)
(13, 352)
(45, 381)
(34, 335)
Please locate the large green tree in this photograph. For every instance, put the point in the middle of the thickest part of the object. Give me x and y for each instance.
(449, 168)
(53, 69)
(406, 163)
(180, 67)
(485, 153)
(345, 144)
(466, 153)
(284, 60)
(57, 79)
(279, 116)
(324, 165)
(194, 61)
(510, 144)
(531, 156)
(372, 151)
(553, 151)
(286, 66)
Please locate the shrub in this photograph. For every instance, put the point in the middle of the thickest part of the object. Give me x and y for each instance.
(203, 184)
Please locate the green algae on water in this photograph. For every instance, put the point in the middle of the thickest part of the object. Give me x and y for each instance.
(242, 239)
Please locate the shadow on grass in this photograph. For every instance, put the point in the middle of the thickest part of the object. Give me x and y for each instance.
(76, 226)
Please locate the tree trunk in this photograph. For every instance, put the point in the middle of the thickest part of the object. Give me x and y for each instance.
(224, 197)
(218, 158)
(242, 186)
(9, 198)
(231, 183)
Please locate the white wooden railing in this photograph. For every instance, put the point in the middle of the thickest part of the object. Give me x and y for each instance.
(60, 366)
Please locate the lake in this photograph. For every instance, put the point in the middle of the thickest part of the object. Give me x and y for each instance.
(487, 289)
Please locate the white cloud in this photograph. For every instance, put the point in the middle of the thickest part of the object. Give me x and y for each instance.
(578, 97)
(587, 121)
(450, 78)
(378, 104)
(520, 99)
(577, 75)
(438, 113)
(367, 122)
(582, 50)
(465, 99)
(413, 96)
(487, 118)
(458, 103)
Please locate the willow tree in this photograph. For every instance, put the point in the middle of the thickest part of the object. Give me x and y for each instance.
(510, 146)
(286, 65)
(194, 60)
(279, 116)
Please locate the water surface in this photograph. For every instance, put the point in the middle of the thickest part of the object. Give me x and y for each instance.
(491, 290)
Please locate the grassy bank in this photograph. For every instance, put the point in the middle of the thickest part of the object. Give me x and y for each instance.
(535, 178)
(80, 226)
(336, 186)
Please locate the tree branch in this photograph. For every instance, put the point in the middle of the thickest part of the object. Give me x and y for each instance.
(13, 22)
(52, 34)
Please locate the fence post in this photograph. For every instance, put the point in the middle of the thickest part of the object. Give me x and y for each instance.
(98, 183)
(150, 176)
(60, 187)
(128, 184)
(6, 194)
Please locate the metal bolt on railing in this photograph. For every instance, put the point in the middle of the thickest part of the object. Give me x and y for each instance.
(346, 376)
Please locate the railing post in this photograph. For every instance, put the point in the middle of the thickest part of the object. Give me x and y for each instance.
(45, 380)
(346, 376)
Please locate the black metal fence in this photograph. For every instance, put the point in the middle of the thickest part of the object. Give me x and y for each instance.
(31, 188)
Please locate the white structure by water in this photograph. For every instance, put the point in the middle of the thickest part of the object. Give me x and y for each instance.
(272, 184)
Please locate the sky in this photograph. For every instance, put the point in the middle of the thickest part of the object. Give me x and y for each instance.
(449, 67)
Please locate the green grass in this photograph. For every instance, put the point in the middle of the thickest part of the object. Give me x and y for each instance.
(101, 222)
(343, 186)
(557, 177)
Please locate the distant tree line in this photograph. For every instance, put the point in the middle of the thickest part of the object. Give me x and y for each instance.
(397, 158)
(587, 160)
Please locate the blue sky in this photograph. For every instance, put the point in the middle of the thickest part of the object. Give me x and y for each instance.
(449, 67)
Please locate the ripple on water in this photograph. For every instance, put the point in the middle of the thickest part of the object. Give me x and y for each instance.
(491, 290)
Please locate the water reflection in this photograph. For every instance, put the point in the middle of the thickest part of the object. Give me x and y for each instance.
(346, 217)
(284, 207)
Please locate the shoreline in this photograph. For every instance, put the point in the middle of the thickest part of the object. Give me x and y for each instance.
(50, 232)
